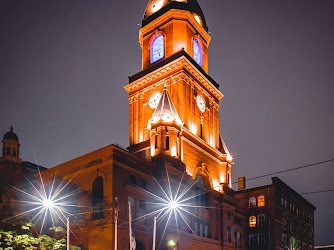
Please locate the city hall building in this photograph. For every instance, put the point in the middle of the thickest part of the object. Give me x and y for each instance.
(177, 168)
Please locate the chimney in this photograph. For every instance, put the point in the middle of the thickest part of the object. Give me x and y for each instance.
(241, 183)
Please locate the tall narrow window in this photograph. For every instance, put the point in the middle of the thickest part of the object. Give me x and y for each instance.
(260, 201)
(156, 140)
(14, 152)
(202, 227)
(8, 151)
(157, 48)
(167, 142)
(252, 240)
(201, 131)
(142, 212)
(293, 243)
(284, 240)
(252, 202)
(177, 146)
(229, 234)
(261, 239)
(252, 221)
(284, 223)
(97, 198)
(238, 240)
(198, 52)
(261, 219)
(133, 207)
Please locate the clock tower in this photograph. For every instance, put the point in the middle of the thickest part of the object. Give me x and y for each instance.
(173, 102)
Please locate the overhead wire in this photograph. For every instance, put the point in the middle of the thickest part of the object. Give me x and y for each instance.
(288, 170)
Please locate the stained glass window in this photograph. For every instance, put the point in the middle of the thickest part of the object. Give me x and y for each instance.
(157, 48)
(198, 52)
(252, 202)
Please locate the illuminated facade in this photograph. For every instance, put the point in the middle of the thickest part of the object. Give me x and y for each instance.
(175, 41)
(174, 142)
(176, 151)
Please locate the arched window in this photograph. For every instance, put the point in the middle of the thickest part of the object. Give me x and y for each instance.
(261, 219)
(292, 227)
(252, 202)
(97, 198)
(252, 221)
(260, 201)
(202, 195)
(293, 243)
(198, 52)
(14, 152)
(167, 142)
(8, 151)
(157, 48)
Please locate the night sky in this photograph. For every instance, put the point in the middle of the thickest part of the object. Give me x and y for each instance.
(64, 63)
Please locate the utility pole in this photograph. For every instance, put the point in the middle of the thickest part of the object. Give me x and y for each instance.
(116, 221)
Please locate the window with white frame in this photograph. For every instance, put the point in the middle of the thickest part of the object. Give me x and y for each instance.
(261, 239)
(252, 240)
(284, 240)
(261, 219)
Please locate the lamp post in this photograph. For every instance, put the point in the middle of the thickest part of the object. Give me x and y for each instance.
(49, 204)
(173, 205)
(68, 232)
(154, 231)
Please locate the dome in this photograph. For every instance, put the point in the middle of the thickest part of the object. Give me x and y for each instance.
(156, 8)
(11, 135)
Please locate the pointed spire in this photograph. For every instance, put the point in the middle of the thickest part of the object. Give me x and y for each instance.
(165, 111)
(224, 150)
(11, 129)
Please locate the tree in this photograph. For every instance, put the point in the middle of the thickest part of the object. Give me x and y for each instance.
(12, 240)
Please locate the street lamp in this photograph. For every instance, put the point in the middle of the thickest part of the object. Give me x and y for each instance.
(49, 204)
(171, 205)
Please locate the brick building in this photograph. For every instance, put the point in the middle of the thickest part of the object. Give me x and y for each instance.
(278, 217)
(176, 154)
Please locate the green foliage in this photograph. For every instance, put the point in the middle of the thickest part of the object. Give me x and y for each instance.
(11, 240)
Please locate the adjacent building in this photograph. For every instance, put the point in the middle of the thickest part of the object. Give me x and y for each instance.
(278, 217)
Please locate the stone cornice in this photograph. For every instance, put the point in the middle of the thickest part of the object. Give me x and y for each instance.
(164, 71)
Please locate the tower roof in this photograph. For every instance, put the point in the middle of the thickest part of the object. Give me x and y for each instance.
(156, 8)
(165, 111)
(10, 135)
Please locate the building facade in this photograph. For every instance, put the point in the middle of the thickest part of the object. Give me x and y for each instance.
(177, 169)
(278, 217)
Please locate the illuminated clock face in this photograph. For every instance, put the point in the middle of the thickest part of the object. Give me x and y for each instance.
(154, 99)
(201, 103)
